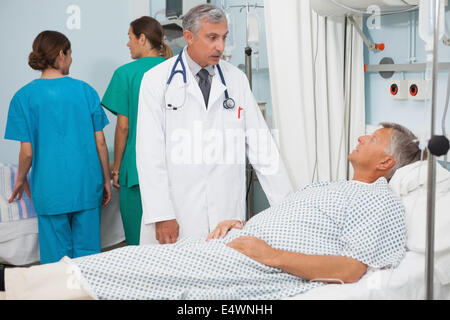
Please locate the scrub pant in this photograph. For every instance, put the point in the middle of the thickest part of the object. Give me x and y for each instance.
(131, 211)
(74, 235)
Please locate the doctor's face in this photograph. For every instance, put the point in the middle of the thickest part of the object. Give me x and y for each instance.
(207, 45)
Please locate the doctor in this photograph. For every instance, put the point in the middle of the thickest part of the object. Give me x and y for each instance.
(197, 122)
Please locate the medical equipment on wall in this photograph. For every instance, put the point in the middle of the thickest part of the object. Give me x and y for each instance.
(228, 103)
(409, 89)
(398, 89)
(418, 90)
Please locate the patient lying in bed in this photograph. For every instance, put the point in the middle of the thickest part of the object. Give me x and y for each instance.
(322, 232)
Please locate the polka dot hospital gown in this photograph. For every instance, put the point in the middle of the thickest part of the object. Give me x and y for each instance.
(346, 218)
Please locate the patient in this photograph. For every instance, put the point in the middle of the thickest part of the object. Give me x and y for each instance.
(329, 231)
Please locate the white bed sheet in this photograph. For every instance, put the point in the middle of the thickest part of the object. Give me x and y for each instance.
(19, 243)
(406, 282)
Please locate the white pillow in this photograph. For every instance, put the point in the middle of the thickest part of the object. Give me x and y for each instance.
(410, 185)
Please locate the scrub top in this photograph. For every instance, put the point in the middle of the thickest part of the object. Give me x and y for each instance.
(122, 97)
(59, 117)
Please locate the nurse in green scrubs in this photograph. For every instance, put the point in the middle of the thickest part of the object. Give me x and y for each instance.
(148, 49)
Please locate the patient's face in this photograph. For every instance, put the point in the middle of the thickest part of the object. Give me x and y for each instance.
(372, 149)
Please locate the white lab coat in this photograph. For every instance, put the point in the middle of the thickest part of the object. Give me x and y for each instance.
(191, 161)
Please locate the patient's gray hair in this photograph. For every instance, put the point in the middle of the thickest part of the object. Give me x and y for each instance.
(192, 19)
(404, 147)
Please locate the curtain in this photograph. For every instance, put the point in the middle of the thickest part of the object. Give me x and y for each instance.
(317, 86)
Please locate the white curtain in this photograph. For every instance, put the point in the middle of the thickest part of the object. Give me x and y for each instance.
(317, 86)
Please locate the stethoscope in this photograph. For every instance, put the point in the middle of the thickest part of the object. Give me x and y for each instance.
(228, 103)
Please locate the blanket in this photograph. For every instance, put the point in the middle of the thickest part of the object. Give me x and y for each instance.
(349, 218)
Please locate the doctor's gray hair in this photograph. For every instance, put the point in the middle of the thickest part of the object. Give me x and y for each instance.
(404, 147)
(192, 19)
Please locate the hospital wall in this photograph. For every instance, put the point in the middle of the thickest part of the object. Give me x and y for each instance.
(400, 35)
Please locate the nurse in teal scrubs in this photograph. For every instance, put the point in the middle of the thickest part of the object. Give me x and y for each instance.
(59, 122)
(121, 98)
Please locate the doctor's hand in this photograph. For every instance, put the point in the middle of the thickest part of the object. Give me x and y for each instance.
(167, 231)
(256, 249)
(20, 186)
(222, 229)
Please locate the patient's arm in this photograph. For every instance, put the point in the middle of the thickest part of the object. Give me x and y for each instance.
(302, 265)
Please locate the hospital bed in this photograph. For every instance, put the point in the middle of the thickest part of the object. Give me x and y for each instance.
(19, 243)
(407, 281)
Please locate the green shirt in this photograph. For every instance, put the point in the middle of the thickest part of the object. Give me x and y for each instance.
(122, 97)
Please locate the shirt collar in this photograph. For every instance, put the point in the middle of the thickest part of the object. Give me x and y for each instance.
(195, 67)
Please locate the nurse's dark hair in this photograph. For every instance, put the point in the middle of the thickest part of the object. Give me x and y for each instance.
(46, 48)
(154, 32)
(404, 147)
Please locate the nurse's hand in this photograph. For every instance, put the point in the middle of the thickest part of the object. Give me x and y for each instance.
(222, 228)
(167, 231)
(20, 186)
(106, 194)
(115, 179)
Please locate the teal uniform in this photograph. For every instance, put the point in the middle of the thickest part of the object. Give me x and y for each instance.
(59, 118)
(122, 97)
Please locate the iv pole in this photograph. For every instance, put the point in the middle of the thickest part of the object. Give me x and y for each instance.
(248, 72)
(431, 183)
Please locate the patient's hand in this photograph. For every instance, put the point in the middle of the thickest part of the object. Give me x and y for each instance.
(222, 229)
(255, 248)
